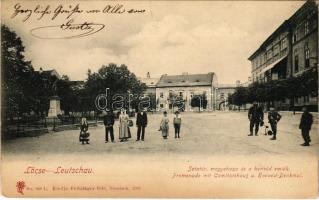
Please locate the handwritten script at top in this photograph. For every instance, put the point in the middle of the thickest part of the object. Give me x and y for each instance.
(69, 29)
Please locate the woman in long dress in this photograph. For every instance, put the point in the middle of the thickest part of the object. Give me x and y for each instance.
(164, 125)
(124, 126)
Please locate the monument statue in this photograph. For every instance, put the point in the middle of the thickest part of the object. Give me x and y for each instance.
(54, 109)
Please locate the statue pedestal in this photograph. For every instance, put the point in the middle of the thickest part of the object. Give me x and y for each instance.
(54, 109)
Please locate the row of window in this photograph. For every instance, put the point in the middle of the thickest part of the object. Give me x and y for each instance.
(306, 52)
(274, 51)
(306, 57)
(304, 99)
(297, 33)
(268, 76)
(181, 94)
(300, 31)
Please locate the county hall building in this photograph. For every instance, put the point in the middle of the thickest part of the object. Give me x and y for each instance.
(289, 51)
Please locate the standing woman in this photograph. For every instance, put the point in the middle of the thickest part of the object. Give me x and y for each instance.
(84, 135)
(164, 125)
(125, 132)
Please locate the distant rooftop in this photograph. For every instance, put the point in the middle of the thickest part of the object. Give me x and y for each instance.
(227, 85)
(150, 82)
(51, 72)
(186, 80)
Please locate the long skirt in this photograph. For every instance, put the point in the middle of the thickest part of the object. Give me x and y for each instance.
(84, 136)
(165, 131)
(125, 133)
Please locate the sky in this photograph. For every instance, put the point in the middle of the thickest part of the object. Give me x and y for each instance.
(168, 38)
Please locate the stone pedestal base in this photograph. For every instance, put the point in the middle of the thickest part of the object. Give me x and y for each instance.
(54, 109)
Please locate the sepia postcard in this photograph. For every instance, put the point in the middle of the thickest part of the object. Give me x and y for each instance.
(159, 99)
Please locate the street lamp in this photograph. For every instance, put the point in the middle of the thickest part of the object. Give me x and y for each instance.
(129, 102)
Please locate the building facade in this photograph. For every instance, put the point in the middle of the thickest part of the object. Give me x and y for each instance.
(174, 90)
(304, 29)
(270, 61)
(289, 51)
(150, 84)
(224, 91)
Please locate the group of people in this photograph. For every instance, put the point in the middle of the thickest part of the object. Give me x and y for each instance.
(256, 119)
(125, 123)
(255, 116)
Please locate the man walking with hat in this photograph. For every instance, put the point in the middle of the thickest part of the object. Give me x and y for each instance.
(141, 123)
(256, 117)
(108, 123)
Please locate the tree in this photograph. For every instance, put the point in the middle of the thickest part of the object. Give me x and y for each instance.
(240, 96)
(153, 101)
(67, 95)
(119, 81)
(200, 101)
(17, 75)
(276, 90)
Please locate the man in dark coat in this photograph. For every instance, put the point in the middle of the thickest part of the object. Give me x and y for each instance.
(305, 126)
(108, 123)
(141, 123)
(273, 119)
(256, 117)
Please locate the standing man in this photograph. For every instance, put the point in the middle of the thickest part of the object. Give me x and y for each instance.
(273, 119)
(141, 123)
(108, 123)
(305, 126)
(256, 117)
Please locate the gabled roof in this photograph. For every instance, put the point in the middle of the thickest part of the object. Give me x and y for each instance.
(186, 80)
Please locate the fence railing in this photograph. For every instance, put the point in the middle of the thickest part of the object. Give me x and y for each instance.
(34, 125)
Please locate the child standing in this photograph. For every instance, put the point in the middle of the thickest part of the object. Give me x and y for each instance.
(177, 124)
(84, 134)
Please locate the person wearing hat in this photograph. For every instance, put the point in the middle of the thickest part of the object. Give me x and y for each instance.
(141, 123)
(108, 123)
(256, 117)
(305, 126)
(177, 123)
(273, 119)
